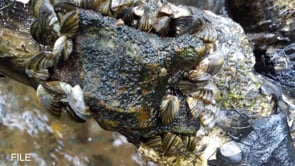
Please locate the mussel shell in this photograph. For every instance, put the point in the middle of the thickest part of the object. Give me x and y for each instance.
(75, 100)
(199, 76)
(190, 142)
(126, 15)
(171, 142)
(182, 25)
(118, 5)
(207, 118)
(62, 49)
(73, 115)
(209, 66)
(206, 95)
(51, 102)
(41, 35)
(40, 61)
(187, 87)
(181, 11)
(48, 18)
(57, 88)
(69, 24)
(62, 8)
(196, 106)
(146, 21)
(148, 153)
(155, 142)
(162, 25)
(208, 33)
(169, 107)
(103, 6)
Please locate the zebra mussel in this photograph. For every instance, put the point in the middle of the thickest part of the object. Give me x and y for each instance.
(57, 23)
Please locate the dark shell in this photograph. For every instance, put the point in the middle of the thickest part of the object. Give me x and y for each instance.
(188, 24)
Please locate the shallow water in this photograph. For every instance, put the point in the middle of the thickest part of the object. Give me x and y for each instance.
(27, 131)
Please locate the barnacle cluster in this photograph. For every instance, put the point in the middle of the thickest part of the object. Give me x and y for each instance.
(57, 23)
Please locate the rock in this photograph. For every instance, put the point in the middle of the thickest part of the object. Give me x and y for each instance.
(269, 143)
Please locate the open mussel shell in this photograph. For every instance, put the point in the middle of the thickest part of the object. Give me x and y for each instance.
(169, 108)
(229, 153)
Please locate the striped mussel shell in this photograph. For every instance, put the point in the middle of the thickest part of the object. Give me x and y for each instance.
(62, 49)
(42, 35)
(208, 67)
(50, 94)
(40, 61)
(196, 106)
(169, 108)
(208, 93)
(148, 153)
(171, 142)
(155, 142)
(205, 95)
(208, 115)
(103, 6)
(57, 96)
(146, 21)
(190, 142)
(208, 33)
(69, 24)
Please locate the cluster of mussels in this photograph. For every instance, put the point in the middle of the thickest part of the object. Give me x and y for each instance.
(57, 22)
